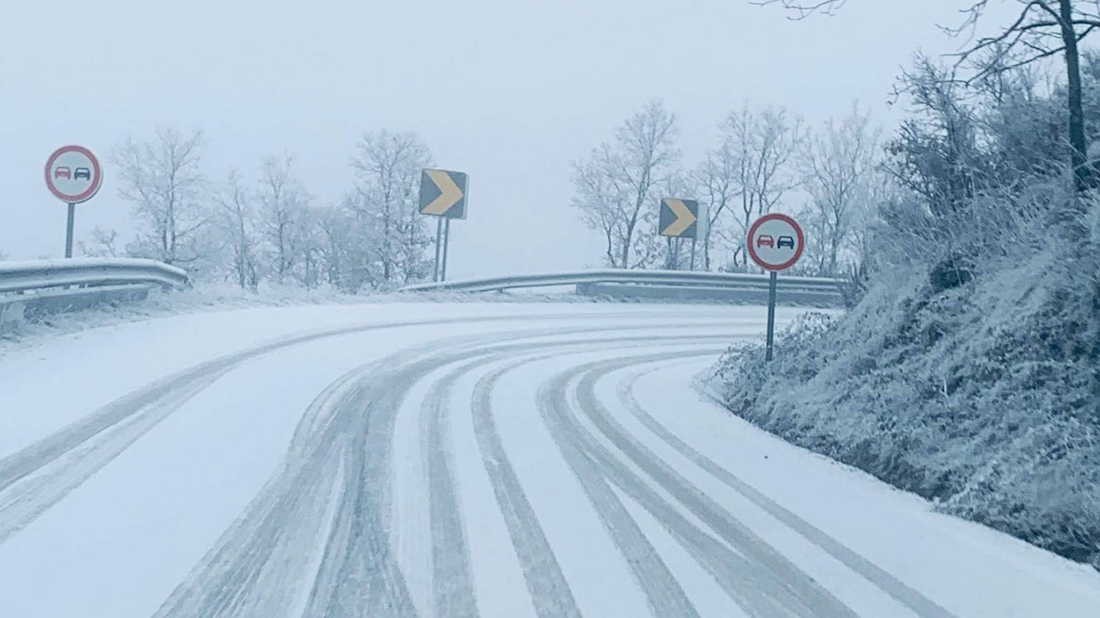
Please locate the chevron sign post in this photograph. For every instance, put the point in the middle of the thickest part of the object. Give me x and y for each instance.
(443, 195)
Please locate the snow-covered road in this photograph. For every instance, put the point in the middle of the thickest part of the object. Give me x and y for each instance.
(454, 460)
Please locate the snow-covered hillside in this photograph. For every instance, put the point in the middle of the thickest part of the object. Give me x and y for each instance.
(984, 397)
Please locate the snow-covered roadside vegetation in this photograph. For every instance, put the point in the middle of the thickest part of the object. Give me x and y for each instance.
(969, 371)
(981, 398)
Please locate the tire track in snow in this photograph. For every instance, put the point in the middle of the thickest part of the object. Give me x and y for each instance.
(453, 586)
(348, 428)
(911, 598)
(259, 567)
(781, 580)
(547, 585)
(550, 592)
(38, 476)
(32, 482)
(736, 575)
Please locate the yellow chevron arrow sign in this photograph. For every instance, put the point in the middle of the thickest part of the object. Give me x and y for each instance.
(680, 217)
(443, 193)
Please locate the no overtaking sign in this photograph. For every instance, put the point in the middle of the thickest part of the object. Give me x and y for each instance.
(73, 175)
(775, 243)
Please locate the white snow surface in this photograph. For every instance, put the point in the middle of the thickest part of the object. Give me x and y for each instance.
(126, 520)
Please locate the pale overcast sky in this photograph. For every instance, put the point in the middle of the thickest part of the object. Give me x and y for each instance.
(510, 91)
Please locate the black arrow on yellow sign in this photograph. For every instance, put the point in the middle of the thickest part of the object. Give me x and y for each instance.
(679, 218)
(443, 194)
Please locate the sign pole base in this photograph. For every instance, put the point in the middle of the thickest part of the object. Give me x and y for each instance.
(771, 317)
(69, 231)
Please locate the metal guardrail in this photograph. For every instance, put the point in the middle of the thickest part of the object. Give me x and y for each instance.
(35, 288)
(658, 282)
(33, 276)
(654, 277)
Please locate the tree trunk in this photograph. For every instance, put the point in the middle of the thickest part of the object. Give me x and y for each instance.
(834, 249)
(242, 255)
(1082, 175)
(627, 239)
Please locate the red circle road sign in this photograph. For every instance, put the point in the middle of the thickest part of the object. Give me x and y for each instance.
(73, 174)
(776, 242)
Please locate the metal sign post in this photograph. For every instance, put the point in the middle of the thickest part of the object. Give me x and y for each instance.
(443, 195)
(438, 236)
(446, 243)
(771, 315)
(74, 176)
(69, 230)
(775, 243)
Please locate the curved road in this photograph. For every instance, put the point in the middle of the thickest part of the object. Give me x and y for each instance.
(456, 460)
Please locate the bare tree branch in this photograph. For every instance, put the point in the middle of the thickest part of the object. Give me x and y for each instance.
(801, 9)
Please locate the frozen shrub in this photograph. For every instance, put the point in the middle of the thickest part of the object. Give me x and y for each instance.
(983, 396)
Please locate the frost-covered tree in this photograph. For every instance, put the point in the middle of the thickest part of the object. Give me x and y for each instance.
(387, 169)
(1044, 28)
(103, 242)
(616, 187)
(1041, 29)
(764, 143)
(839, 162)
(283, 221)
(936, 152)
(338, 242)
(717, 182)
(237, 220)
(163, 180)
(311, 250)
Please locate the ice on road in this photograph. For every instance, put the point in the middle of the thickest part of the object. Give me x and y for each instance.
(455, 460)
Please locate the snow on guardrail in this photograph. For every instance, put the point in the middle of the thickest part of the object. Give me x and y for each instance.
(634, 277)
(37, 275)
(38, 287)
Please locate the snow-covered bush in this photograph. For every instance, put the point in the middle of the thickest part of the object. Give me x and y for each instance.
(983, 396)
